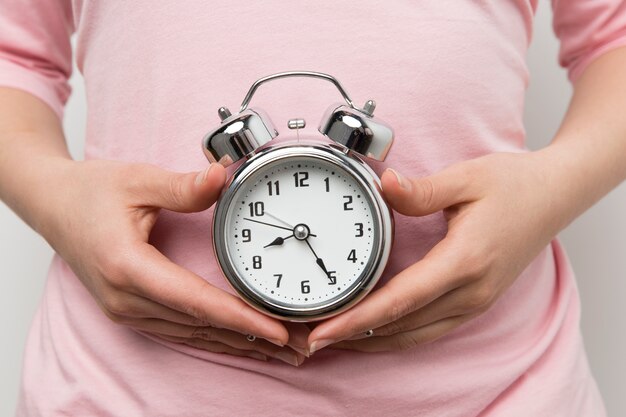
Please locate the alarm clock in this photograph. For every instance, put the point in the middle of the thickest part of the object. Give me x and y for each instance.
(301, 230)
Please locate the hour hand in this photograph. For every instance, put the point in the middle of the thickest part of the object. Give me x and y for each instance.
(278, 241)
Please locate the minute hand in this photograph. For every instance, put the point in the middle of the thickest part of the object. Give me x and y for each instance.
(318, 260)
(268, 224)
(273, 225)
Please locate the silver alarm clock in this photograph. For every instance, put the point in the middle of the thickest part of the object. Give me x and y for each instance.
(301, 231)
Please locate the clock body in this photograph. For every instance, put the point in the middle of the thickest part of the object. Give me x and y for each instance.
(301, 231)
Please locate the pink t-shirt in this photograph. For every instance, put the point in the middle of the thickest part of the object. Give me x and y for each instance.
(449, 76)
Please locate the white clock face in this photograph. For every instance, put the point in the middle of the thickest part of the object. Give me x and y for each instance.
(301, 232)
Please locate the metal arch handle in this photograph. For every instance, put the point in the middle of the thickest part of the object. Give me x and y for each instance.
(286, 74)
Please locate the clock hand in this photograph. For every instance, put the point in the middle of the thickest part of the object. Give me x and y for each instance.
(273, 225)
(312, 250)
(278, 241)
(269, 224)
(277, 219)
(319, 261)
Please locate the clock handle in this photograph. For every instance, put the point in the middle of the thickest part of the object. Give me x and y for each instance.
(354, 129)
(286, 74)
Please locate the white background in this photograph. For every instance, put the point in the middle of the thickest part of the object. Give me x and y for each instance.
(596, 243)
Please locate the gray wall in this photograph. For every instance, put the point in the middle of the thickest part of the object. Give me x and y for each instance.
(595, 243)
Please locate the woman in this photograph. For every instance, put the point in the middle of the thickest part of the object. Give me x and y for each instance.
(136, 318)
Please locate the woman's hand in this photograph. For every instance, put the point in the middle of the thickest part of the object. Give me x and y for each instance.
(502, 210)
(99, 219)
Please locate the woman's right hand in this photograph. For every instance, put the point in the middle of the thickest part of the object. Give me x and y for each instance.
(99, 219)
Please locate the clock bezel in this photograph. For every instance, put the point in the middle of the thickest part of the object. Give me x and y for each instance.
(353, 166)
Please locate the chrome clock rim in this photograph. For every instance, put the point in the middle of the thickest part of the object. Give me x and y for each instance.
(352, 166)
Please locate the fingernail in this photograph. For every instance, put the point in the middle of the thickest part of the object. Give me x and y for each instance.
(358, 336)
(276, 342)
(288, 357)
(301, 350)
(320, 344)
(201, 177)
(301, 359)
(257, 355)
(401, 180)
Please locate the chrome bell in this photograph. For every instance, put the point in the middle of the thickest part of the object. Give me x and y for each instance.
(358, 130)
(238, 136)
(352, 128)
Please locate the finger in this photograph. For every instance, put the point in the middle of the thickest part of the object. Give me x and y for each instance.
(168, 328)
(239, 342)
(213, 334)
(411, 289)
(216, 347)
(190, 192)
(285, 355)
(455, 303)
(427, 195)
(405, 340)
(298, 337)
(140, 307)
(178, 288)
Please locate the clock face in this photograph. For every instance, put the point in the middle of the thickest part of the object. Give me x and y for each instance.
(301, 233)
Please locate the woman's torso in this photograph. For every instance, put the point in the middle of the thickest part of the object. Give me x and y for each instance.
(449, 77)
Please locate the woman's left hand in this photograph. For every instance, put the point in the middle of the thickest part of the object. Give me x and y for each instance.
(502, 210)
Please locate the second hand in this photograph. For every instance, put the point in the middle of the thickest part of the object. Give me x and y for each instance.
(277, 219)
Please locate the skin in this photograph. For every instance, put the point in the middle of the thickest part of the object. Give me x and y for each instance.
(533, 195)
(102, 233)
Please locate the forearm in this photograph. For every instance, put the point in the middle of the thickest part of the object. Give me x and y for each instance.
(99, 223)
(33, 154)
(587, 157)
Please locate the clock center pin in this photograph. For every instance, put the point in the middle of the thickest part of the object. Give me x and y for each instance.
(301, 231)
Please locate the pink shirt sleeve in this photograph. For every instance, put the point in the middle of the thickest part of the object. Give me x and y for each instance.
(35, 49)
(587, 29)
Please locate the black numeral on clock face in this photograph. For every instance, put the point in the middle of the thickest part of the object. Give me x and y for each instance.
(257, 209)
(359, 229)
(347, 194)
(301, 179)
(347, 203)
(278, 278)
(273, 188)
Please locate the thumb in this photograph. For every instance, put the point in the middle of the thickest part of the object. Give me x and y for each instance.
(425, 195)
(185, 193)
